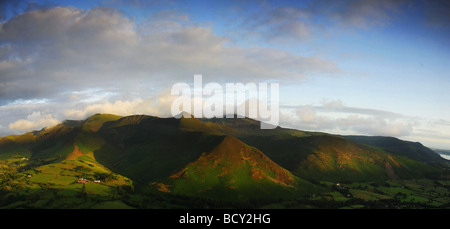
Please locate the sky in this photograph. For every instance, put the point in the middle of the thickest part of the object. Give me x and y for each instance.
(343, 67)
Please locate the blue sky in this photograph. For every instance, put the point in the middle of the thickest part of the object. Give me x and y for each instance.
(345, 67)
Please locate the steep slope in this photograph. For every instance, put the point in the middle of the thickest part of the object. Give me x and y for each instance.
(333, 158)
(395, 146)
(96, 121)
(150, 149)
(230, 159)
(339, 159)
(147, 148)
(321, 156)
(234, 170)
(49, 142)
(9, 149)
(55, 168)
(246, 127)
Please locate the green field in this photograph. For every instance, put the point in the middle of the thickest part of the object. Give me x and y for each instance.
(55, 186)
(140, 161)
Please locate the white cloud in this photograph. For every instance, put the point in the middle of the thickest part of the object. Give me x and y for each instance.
(35, 120)
(63, 49)
(82, 62)
(335, 117)
(156, 106)
(119, 107)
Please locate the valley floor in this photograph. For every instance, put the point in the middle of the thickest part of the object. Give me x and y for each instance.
(83, 184)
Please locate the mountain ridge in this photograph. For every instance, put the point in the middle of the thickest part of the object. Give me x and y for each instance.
(219, 159)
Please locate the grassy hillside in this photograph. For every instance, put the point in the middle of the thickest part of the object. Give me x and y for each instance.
(321, 156)
(413, 150)
(139, 161)
(234, 170)
(147, 148)
(96, 122)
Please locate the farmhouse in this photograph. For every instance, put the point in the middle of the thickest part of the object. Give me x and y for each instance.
(82, 180)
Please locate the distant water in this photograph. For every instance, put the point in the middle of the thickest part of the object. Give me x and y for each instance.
(445, 156)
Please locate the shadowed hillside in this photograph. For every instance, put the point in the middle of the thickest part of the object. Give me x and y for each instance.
(413, 150)
(235, 170)
(134, 159)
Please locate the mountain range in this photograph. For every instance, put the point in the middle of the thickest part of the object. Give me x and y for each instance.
(147, 161)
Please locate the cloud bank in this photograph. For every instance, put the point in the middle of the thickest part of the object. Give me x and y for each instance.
(35, 120)
(60, 62)
(51, 51)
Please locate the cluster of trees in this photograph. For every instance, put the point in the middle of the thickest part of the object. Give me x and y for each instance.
(104, 176)
(9, 181)
(170, 200)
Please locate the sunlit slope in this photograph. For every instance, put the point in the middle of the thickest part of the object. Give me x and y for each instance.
(147, 148)
(321, 156)
(234, 170)
(338, 159)
(59, 171)
(413, 150)
(96, 122)
(218, 158)
(150, 150)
